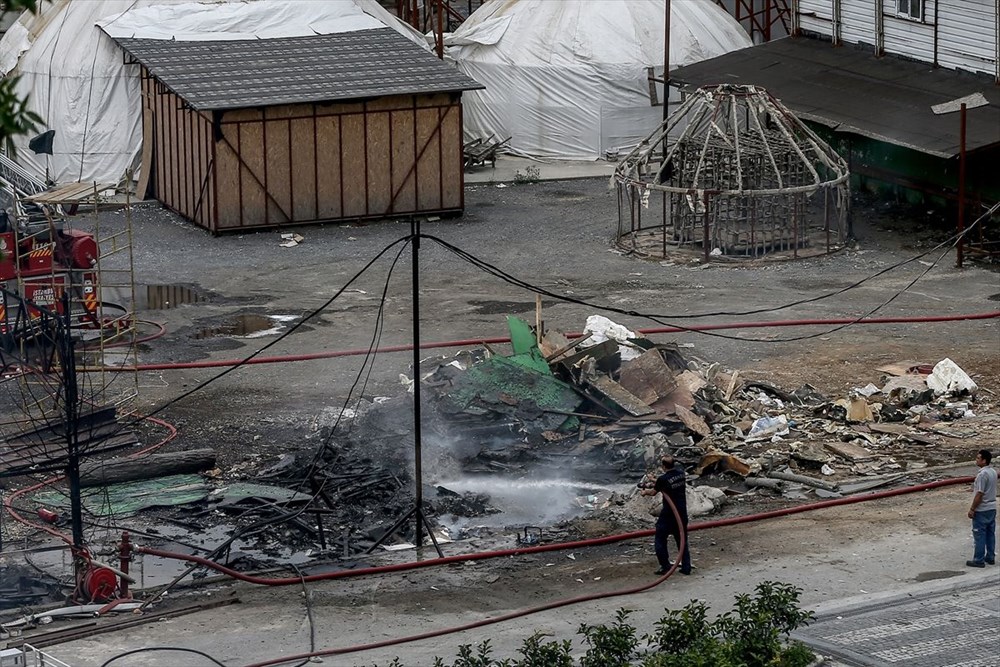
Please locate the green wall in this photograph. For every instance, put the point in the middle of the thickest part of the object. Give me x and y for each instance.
(918, 178)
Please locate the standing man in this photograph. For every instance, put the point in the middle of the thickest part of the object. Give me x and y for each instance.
(671, 483)
(983, 512)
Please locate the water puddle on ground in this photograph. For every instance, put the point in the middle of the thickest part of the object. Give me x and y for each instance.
(162, 297)
(247, 325)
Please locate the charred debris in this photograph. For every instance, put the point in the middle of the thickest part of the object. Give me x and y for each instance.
(594, 412)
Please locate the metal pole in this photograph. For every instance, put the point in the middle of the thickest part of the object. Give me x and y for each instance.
(961, 185)
(666, 59)
(440, 30)
(705, 236)
(418, 478)
(70, 390)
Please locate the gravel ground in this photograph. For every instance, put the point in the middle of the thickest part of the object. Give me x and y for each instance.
(558, 236)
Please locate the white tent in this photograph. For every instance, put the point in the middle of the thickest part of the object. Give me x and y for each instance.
(569, 79)
(76, 80)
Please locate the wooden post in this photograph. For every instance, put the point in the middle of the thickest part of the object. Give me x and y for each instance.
(538, 318)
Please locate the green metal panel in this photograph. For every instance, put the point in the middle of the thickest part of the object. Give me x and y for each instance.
(526, 352)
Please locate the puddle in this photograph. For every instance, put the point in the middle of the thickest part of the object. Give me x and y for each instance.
(162, 297)
(248, 325)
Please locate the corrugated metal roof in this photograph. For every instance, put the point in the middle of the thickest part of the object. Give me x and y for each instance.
(295, 70)
(849, 89)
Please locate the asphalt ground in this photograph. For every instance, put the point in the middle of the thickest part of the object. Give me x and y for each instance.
(952, 622)
(557, 235)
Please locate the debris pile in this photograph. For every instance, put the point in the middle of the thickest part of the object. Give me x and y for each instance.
(586, 418)
(607, 404)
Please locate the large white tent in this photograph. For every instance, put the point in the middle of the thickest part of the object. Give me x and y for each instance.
(76, 78)
(569, 79)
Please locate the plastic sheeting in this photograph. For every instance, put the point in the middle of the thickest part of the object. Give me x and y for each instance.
(75, 78)
(569, 79)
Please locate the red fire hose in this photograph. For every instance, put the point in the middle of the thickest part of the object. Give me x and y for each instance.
(704, 525)
(468, 342)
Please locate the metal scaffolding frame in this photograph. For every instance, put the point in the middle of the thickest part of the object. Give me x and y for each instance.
(738, 175)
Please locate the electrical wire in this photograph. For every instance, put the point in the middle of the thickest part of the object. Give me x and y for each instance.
(919, 488)
(153, 649)
(660, 319)
(58, 462)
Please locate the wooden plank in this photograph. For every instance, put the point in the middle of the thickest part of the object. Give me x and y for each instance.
(70, 193)
(452, 162)
(227, 175)
(115, 471)
(403, 181)
(428, 163)
(354, 155)
(251, 152)
(278, 161)
(648, 377)
(628, 402)
(379, 163)
(328, 167)
(304, 169)
(173, 154)
(159, 184)
(148, 142)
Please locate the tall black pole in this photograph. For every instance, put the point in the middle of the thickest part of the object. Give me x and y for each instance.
(666, 59)
(70, 393)
(418, 479)
(961, 186)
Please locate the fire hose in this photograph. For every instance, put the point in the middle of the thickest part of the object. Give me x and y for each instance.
(400, 567)
(468, 342)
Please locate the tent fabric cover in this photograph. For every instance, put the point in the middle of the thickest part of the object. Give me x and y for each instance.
(569, 80)
(75, 77)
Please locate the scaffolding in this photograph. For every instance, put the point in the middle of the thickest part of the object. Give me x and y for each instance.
(735, 174)
(39, 284)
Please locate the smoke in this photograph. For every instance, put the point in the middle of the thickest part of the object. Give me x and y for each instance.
(541, 502)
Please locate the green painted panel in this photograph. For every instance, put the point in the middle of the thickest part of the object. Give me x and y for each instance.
(526, 352)
(130, 497)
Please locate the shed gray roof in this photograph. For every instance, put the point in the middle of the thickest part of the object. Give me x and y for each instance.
(236, 74)
(850, 90)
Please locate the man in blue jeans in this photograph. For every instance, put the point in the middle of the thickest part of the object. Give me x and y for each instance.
(983, 512)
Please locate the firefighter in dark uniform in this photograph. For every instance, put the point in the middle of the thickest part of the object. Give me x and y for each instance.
(671, 483)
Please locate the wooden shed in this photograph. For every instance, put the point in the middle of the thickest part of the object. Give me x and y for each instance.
(248, 134)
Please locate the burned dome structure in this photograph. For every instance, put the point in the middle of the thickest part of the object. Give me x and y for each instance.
(734, 174)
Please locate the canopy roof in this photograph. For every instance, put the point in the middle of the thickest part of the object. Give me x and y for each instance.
(74, 76)
(571, 79)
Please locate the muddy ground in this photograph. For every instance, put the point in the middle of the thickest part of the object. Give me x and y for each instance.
(556, 235)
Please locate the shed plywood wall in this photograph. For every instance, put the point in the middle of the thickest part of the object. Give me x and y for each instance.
(182, 153)
(302, 163)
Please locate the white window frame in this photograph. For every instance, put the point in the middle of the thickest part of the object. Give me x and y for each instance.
(905, 9)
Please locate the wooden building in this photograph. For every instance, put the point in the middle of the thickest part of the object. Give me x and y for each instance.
(251, 134)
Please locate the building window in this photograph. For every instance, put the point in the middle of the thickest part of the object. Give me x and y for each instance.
(911, 9)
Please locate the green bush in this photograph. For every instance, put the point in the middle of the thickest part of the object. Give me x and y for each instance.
(753, 634)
